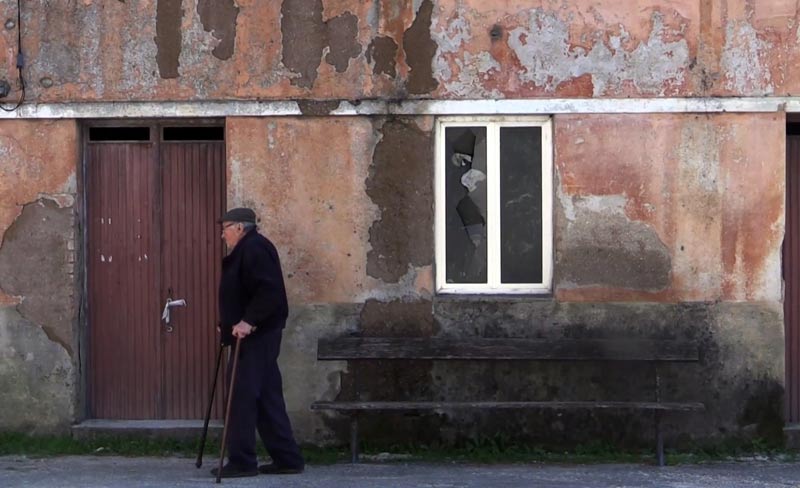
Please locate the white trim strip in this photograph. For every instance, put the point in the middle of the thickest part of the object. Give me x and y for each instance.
(493, 248)
(280, 108)
(547, 203)
(440, 222)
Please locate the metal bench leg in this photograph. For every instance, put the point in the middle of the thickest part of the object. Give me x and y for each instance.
(659, 440)
(354, 438)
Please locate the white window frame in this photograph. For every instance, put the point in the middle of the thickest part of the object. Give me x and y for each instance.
(493, 125)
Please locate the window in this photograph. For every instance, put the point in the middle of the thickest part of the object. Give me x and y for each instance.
(493, 205)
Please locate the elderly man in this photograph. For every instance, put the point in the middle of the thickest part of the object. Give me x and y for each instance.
(253, 307)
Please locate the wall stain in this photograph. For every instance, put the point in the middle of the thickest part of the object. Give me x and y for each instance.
(219, 18)
(168, 37)
(383, 50)
(397, 318)
(601, 246)
(400, 184)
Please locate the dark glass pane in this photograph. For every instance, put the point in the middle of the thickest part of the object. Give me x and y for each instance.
(105, 134)
(521, 204)
(465, 195)
(196, 133)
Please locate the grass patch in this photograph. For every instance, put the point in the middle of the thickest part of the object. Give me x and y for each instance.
(500, 450)
(48, 446)
(484, 451)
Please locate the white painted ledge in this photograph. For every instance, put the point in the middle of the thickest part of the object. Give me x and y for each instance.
(282, 108)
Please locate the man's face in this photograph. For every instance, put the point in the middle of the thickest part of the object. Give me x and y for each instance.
(231, 233)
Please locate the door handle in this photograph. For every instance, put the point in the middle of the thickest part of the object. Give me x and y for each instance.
(165, 314)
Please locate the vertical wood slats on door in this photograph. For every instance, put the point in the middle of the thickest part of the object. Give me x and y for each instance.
(193, 186)
(791, 275)
(122, 262)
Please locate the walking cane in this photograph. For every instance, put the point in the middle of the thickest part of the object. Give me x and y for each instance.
(228, 409)
(199, 462)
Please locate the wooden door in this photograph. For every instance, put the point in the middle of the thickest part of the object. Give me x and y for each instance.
(154, 192)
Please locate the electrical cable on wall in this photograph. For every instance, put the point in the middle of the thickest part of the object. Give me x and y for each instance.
(20, 60)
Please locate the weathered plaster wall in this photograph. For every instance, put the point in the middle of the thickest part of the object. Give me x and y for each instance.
(346, 49)
(38, 305)
(333, 193)
(674, 235)
(690, 208)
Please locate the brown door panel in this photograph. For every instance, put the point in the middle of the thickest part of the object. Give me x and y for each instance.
(122, 260)
(192, 195)
(152, 235)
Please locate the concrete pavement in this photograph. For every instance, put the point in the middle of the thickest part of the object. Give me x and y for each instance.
(117, 472)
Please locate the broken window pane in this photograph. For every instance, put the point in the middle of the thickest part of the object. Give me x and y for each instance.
(520, 205)
(465, 194)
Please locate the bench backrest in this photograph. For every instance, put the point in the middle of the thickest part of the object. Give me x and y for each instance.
(344, 348)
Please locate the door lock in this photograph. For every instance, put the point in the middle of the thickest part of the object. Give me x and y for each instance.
(165, 314)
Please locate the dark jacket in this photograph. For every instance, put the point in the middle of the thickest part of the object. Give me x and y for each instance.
(251, 287)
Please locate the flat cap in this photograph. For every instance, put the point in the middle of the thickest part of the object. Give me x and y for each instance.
(239, 215)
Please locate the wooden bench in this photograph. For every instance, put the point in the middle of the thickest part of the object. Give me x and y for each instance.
(483, 349)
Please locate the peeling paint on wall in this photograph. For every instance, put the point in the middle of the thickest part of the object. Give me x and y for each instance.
(342, 41)
(400, 174)
(420, 50)
(382, 50)
(37, 259)
(741, 60)
(305, 37)
(172, 50)
(36, 262)
(219, 17)
(548, 59)
(168, 37)
(317, 109)
(31, 168)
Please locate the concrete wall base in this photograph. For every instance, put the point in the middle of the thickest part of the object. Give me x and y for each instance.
(792, 433)
(153, 429)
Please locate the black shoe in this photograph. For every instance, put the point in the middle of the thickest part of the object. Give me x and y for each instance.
(277, 469)
(233, 471)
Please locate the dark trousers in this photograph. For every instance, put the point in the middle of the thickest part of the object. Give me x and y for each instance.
(258, 404)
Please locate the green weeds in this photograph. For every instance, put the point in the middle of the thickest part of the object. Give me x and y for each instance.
(492, 450)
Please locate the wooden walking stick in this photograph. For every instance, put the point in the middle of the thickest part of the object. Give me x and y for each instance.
(228, 409)
(199, 462)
